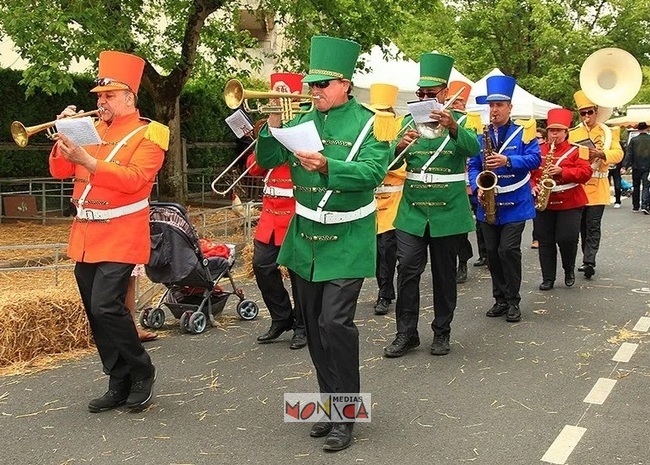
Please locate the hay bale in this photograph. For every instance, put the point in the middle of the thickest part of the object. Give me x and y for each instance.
(41, 322)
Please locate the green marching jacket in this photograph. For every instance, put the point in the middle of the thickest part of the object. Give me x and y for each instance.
(440, 201)
(324, 252)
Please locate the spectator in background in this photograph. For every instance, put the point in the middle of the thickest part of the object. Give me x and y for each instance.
(638, 158)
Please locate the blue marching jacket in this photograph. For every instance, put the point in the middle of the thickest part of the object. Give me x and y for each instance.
(511, 205)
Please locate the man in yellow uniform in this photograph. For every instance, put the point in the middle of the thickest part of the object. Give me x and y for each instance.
(604, 150)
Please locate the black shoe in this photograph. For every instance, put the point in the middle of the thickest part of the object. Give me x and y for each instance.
(546, 285)
(589, 271)
(440, 345)
(339, 438)
(141, 392)
(298, 341)
(461, 273)
(401, 345)
(514, 314)
(581, 268)
(498, 309)
(274, 332)
(112, 399)
(320, 429)
(569, 278)
(381, 307)
(482, 261)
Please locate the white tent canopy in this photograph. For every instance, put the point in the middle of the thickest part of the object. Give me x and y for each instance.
(524, 104)
(399, 72)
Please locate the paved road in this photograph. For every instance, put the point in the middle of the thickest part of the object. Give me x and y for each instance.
(503, 395)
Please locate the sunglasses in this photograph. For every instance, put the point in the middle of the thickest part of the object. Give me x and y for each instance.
(319, 84)
(109, 81)
(587, 112)
(427, 93)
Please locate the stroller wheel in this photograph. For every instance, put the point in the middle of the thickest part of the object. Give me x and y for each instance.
(156, 318)
(198, 322)
(144, 314)
(247, 309)
(185, 321)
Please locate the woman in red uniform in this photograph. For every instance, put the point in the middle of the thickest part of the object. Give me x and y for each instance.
(278, 207)
(559, 222)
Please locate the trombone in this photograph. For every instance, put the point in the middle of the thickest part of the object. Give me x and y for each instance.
(22, 133)
(229, 167)
(235, 95)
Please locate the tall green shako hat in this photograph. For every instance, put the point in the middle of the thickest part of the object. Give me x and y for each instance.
(435, 69)
(331, 58)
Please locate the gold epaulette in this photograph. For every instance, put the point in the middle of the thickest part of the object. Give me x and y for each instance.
(385, 127)
(530, 129)
(158, 134)
(473, 122)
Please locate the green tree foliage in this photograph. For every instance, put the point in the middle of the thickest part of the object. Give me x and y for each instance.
(181, 40)
(543, 43)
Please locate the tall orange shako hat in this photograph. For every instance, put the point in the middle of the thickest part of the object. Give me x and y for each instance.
(118, 71)
(292, 80)
(455, 86)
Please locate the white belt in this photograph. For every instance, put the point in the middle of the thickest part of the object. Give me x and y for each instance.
(91, 214)
(278, 191)
(600, 174)
(513, 187)
(431, 178)
(329, 217)
(386, 189)
(564, 187)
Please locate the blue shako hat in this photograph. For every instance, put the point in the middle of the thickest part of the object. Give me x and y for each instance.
(499, 89)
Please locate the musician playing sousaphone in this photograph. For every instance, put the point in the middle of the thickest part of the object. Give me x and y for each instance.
(604, 150)
(560, 204)
(434, 213)
(278, 207)
(514, 153)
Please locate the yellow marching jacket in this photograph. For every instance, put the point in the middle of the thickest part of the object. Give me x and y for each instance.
(388, 196)
(606, 139)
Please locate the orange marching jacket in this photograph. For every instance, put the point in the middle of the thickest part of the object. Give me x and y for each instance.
(118, 187)
(278, 203)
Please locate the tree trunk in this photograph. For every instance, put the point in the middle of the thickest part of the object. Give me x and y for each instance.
(171, 182)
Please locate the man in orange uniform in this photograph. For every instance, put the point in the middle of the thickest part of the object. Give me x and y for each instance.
(278, 207)
(110, 232)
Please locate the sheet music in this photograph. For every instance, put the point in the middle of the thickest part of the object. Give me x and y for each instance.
(420, 110)
(586, 143)
(239, 123)
(301, 138)
(80, 131)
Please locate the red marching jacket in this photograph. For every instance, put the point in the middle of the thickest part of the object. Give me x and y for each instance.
(278, 203)
(568, 192)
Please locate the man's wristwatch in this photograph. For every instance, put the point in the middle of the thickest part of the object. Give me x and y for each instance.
(508, 163)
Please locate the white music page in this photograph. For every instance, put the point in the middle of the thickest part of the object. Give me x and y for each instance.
(80, 131)
(303, 137)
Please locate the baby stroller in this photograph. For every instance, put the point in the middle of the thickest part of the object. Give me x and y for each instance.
(626, 188)
(193, 294)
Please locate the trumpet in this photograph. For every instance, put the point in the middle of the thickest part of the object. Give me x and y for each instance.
(22, 133)
(235, 95)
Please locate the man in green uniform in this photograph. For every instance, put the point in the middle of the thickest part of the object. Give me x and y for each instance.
(332, 233)
(434, 213)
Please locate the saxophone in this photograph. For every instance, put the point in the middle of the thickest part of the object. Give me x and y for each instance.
(487, 181)
(546, 183)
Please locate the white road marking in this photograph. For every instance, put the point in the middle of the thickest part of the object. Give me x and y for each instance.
(643, 325)
(600, 391)
(564, 444)
(625, 352)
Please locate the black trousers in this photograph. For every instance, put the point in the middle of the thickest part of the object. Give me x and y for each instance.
(332, 337)
(615, 176)
(103, 290)
(561, 227)
(465, 251)
(590, 232)
(412, 258)
(640, 188)
(480, 240)
(269, 281)
(503, 244)
(386, 263)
